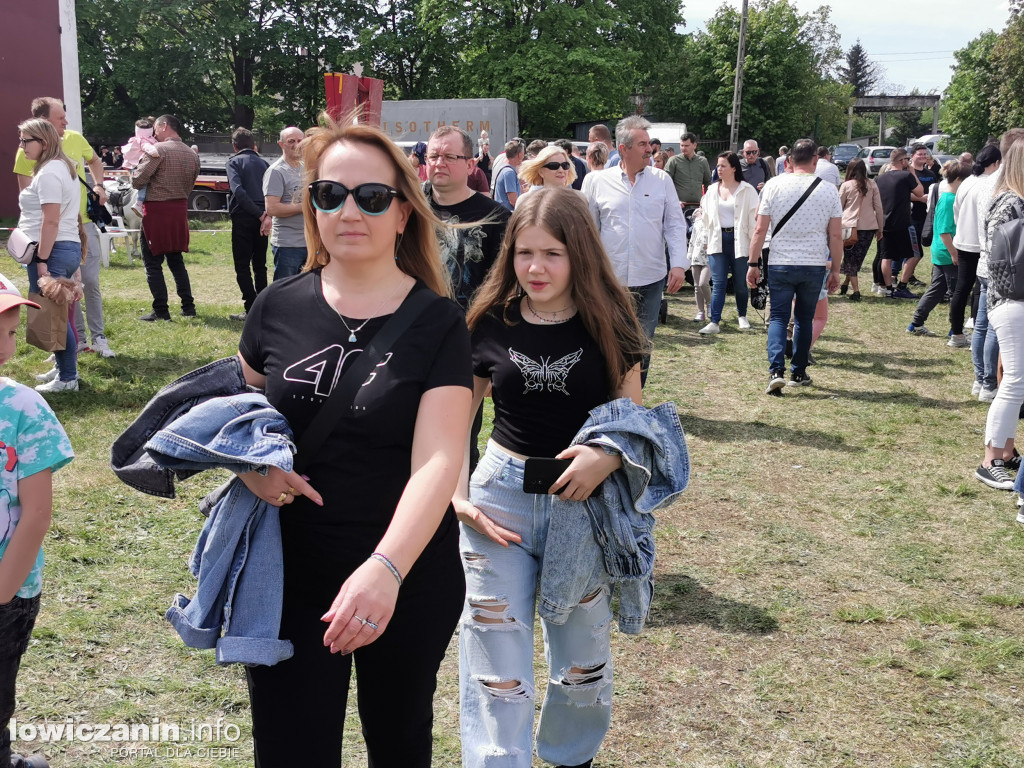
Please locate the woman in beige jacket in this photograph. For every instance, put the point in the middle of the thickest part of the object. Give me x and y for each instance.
(729, 211)
(863, 217)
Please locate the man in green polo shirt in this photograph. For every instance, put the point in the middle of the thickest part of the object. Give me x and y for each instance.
(78, 149)
(690, 174)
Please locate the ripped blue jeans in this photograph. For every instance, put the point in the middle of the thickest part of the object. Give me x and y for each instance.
(496, 638)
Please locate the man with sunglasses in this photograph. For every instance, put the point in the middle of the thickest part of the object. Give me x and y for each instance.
(755, 170)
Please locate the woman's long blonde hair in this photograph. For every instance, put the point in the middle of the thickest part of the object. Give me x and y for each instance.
(529, 171)
(418, 253)
(37, 128)
(605, 307)
(1011, 172)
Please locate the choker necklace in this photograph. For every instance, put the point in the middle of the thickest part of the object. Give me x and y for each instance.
(353, 331)
(555, 315)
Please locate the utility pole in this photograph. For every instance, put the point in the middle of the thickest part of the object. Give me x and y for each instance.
(737, 90)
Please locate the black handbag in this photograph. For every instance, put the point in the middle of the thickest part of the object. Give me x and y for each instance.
(94, 209)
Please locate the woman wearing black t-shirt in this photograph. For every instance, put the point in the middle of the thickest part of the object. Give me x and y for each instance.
(385, 474)
(554, 335)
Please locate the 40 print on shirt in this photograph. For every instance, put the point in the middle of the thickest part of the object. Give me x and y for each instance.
(322, 369)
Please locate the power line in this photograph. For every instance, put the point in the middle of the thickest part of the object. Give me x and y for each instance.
(909, 53)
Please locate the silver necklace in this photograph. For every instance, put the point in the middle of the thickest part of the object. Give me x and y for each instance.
(556, 313)
(353, 331)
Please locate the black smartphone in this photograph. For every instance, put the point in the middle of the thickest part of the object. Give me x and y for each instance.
(539, 474)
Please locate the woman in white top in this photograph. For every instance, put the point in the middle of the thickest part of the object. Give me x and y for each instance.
(550, 168)
(729, 212)
(49, 216)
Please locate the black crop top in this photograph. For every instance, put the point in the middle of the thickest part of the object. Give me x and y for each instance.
(545, 379)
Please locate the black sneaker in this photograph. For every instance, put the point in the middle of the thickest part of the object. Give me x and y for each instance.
(916, 283)
(843, 289)
(776, 381)
(995, 476)
(152, 317)
(855, 296)
(1013, 462)
(800, 379)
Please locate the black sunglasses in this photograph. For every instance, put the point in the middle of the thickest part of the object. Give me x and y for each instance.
(372, 199)
(555, 166)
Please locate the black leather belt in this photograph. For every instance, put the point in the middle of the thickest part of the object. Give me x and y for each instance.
(727, 229)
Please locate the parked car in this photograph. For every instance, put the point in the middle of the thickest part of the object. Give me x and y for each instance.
(875, 157)
(842, 154)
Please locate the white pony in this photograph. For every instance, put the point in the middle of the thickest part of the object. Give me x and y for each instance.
(121, 198)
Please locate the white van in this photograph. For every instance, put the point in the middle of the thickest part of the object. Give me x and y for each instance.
(931, 140)
(668, 134)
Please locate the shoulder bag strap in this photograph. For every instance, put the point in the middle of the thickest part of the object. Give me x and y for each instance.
(344, 392)
(791, 211)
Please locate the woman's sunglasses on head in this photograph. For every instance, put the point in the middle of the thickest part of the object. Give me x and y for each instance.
(372, 198)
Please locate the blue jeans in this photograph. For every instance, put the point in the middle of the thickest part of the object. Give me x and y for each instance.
(786, 283)
(721, 265)
(647, 300)
(64, 261)
(496, 638)
(984, 345)
(287, 261)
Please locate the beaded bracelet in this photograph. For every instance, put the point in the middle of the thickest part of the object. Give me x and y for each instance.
(381, 558)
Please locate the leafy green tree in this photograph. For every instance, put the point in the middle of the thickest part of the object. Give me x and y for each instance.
(790, 88)
(967, 107)
(1008, 61)
(560, 61)
(859, 71)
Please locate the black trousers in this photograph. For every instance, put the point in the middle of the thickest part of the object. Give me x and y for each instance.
(298, 705)
(16, 621)
(967, 271)
(155, 278)
(249, 252)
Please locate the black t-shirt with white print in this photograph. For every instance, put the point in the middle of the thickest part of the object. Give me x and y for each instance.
(545, 379)
(296, 339)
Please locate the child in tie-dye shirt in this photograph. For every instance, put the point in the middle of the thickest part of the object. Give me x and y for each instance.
(33, 445)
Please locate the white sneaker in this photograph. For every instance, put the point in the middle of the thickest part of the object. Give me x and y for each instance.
(986, 395)
(958, 341)
(700, 317)
(969, 324)
(50, 375)
(976, 389)
(744, 324)
(51, 359)
(99, 344)
(877, 289)
(710, 328)
(59, 386)
(83, 346)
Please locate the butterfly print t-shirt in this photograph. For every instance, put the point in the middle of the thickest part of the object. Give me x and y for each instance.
(545, 379)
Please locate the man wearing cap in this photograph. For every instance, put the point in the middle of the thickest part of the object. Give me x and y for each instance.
(79, 150)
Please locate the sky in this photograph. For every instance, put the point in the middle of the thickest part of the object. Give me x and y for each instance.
(914, 52)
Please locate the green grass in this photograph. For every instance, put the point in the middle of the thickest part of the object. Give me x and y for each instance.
(833, 589)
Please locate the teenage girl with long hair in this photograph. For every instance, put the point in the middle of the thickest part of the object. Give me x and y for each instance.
(554, 335)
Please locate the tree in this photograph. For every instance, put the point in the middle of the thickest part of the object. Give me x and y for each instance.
(859, 71)
(560, 61)
(215, 63)
(967, 107)
(1008, 61)
(790, 88)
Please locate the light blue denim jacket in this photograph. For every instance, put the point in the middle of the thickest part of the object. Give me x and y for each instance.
(610, 535)
(238, 558)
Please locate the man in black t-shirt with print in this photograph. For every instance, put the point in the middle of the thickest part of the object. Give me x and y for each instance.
(468, 253)
(897, 188)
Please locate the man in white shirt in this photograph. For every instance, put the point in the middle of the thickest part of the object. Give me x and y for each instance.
(799, 254)
(826, 170)
(637, 212)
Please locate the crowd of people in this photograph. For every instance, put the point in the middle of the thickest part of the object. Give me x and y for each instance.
(404, 292)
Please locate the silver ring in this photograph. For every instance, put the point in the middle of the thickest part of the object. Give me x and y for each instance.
(361, 621)
(371, 625)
